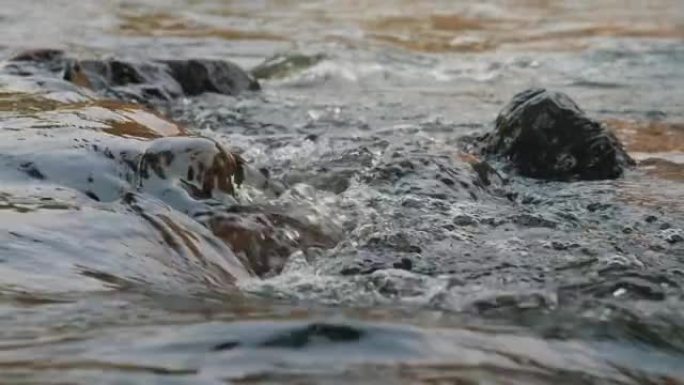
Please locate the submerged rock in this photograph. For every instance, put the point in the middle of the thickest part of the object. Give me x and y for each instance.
(282, 65)
(264, 239)
(545, 135)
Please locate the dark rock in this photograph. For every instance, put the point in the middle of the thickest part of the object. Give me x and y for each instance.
(92, 196)
(199, 76)
(37, 62)
(31, 170)
(545, 135)
(302, 336)
(651, 219)
(159, 80)
(136, 80)
(128, 80)
(404, 264)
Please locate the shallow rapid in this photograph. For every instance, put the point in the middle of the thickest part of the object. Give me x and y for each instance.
(322, 217)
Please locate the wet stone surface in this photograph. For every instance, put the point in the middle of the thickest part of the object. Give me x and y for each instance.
(140, 80)
(545, 135)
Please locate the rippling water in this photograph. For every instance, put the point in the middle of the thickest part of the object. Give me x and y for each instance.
(406, 270)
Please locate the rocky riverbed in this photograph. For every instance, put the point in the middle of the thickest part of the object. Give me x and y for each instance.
(202, 192)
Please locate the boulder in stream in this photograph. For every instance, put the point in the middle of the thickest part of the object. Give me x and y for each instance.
(545, 135)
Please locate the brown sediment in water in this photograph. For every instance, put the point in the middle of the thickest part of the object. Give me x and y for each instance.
(649, 136)
(535, 25)
(663, 168)
(24, 103)
(435, 33)
(164, 24)
(652, 140)
(132, 120)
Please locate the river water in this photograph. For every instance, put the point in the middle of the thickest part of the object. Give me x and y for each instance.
(407, 271)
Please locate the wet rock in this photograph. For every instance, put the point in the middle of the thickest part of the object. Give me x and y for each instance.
(199, 76)
(265, 239)
(143, 81)
(545, 135)
(125, 80)
(162, 80)
(183, 170)
(29, 62)
(254, 239)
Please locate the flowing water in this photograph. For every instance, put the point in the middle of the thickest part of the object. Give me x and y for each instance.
(408, 269)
